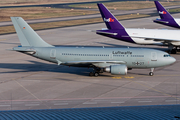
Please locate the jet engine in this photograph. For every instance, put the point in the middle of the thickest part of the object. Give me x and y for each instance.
(117, 69)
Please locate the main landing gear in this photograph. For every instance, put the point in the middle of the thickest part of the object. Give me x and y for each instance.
(96, 72)
(151, 72)
(172, 49)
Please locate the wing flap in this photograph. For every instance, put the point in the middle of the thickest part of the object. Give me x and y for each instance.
(92, 62)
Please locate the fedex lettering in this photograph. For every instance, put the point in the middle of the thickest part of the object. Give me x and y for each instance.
(108, 20)
(163, 12)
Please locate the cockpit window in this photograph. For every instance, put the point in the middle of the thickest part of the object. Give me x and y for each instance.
(166, 55)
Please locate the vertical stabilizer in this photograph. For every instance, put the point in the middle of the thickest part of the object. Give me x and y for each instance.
(109, 19)
(163, 13)
(27, 36)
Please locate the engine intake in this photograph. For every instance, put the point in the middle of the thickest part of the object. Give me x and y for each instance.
(117, 69)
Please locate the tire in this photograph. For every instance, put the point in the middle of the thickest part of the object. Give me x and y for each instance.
(91, 74)
(96, 74)
(151, 74)
(174, 51)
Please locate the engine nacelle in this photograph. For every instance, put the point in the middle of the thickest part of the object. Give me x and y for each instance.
(117, 69)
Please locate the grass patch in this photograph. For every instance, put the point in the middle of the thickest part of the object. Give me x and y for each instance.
(174, 10)
(35, 2)
(40, 13)
(38, 26)
(126, 5)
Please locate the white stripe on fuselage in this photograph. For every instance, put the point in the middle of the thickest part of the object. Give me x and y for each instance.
(153, 33)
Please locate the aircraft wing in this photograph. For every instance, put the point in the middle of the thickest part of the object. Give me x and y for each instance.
(97, 63)
(157, 39)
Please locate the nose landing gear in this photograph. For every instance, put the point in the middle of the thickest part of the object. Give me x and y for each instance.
(151, 72)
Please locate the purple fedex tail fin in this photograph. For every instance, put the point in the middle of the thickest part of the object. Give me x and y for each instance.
(109, 19)
(163, 13)
(115, 29)
(166, 18)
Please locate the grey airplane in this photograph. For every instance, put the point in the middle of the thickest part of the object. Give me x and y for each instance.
(102, 59)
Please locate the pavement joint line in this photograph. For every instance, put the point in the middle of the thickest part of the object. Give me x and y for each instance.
(117, 102)
(144, 101)
(61, 103)
(155, 89)
(103, 98)
(86, 103)
(171, 100)
(27, 89)
(4, 105)
(31, 104)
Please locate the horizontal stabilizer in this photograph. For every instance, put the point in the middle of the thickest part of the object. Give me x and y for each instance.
(105, 32)
(161, 21)
(24, 49)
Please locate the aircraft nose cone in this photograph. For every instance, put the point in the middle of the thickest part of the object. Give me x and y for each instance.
(172, 60)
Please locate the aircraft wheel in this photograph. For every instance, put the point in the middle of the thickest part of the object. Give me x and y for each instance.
(91, 74)
(151, 73)
(96, 74)
(173, 51)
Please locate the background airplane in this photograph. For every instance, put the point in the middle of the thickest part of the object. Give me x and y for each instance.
(166, 18)
(113, 60)
(115, 30)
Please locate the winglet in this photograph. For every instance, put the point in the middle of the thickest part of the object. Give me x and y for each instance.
(163, 13)
(109, 19)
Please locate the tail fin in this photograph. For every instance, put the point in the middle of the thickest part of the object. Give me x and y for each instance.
(27, 36)
(163, 13)
(109, 19)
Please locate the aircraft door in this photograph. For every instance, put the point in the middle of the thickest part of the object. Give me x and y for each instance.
(153, 56)
(53, 54)
(111, 56)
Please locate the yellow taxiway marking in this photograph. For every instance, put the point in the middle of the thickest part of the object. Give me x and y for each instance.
(131, 77)
(2, 39)
(127, 77)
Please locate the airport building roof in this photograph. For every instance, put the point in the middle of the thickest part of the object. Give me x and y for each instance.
(162, 112)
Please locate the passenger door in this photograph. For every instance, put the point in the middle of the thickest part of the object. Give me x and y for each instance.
(53, 54)
(111, 56)
(153, 56)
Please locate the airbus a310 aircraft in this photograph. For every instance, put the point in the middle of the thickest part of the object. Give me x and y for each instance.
(115, 30)
(113, 60)
(166, 18)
